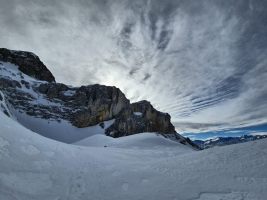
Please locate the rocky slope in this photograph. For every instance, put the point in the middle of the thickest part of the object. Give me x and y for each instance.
(28, 63)
(29, 87)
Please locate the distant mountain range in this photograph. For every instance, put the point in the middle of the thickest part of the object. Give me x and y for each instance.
(222, 141)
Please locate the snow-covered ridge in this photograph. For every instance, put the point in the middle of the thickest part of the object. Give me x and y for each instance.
(70, 114)
(28, 63)
(40, 112)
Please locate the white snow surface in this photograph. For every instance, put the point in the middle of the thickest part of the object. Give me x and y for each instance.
(61, 130)
(33, 167)
(11, 70)
(149, 141)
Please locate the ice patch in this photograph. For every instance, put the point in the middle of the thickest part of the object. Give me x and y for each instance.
(69, 93)
(138, 114)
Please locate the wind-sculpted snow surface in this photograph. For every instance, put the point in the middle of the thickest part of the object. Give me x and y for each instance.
(148, 167)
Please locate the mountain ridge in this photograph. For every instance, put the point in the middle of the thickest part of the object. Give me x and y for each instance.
(30, 88)
(223, 141)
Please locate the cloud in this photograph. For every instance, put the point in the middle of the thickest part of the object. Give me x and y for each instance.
(204, 62)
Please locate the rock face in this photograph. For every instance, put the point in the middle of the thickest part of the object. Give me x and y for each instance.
(28, 63)
(140, 117)
(81, 106)
(87, 105)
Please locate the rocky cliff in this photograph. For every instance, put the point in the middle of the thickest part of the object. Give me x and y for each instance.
(84, 106)
(140, 117)
(28, 63)
(30, 88)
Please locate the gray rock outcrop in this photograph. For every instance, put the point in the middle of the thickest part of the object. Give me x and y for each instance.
(140, 117)
(81, 106)
(87, 105)
(28, 63)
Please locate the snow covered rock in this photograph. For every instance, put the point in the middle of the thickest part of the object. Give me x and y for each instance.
(30, 88)
(28, 63)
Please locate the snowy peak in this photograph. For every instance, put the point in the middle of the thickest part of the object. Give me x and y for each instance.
(28, 63)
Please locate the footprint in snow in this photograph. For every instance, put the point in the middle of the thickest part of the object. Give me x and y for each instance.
(109, 167)
(23, 140)
(144, 181)
(125, 186)
(30, 150)
(31, 183)
(77, 188)
(43, 164)
(49, 153)
(3, 147)
(115, 173)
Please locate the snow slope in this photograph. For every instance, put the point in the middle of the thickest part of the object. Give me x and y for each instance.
(33, 167)
(61, 130)
(148, 141)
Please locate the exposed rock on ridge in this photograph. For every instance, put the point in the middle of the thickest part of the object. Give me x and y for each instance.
(87, 105)
(140, 117)
(28, 63)
(82, 106)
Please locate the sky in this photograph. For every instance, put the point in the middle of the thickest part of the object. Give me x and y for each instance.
(203, 62)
